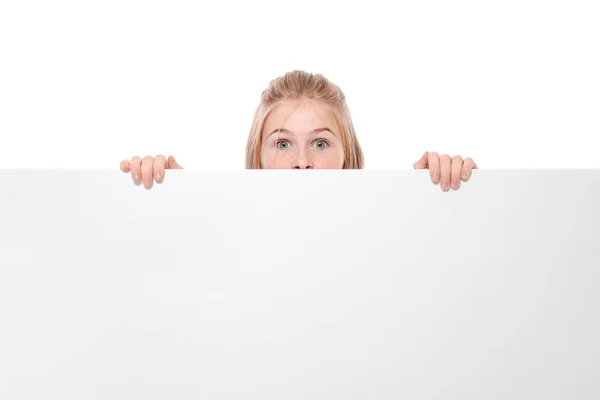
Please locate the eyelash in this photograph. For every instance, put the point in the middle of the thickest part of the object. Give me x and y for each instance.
(317, 140)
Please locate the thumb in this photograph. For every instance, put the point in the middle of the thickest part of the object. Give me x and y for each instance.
(423, 162)
(172, 164)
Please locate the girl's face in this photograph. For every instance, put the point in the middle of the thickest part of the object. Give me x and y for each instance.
(301, 135)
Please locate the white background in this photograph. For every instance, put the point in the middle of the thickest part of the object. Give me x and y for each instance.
(512, 84)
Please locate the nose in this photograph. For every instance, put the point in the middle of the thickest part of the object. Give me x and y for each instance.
(302, 162)
(302, 165)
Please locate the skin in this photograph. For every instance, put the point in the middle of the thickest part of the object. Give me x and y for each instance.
(301, 135)
(143, 170)
(304, 135)
(446, 170)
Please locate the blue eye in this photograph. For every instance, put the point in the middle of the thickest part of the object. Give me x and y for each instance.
(282, 144)
(321, 144)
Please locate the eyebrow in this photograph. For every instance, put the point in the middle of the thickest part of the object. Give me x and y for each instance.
(313, 132)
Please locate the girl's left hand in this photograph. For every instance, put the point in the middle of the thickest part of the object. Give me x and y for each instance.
(448, 170)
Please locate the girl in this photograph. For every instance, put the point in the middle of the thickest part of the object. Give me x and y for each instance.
(303, 122)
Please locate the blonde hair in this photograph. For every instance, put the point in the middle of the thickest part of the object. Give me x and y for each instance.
(300, 85)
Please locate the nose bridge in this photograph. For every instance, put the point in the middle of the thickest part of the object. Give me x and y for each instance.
(302, 158)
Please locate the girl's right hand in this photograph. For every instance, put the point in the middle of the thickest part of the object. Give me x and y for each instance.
(148, 168)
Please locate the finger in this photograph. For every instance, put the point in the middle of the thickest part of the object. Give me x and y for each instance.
(457, 165)
(468, 167)
(433, 160)
(422, 163)
(172, 164)
(160, 162)
(445, 170)
(135, 167)
(124, 166)
(147, 171)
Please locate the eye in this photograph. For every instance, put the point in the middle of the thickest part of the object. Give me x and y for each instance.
(283, 144)
(321, 144)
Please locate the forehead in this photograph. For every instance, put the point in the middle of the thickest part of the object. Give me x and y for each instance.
(299, 116)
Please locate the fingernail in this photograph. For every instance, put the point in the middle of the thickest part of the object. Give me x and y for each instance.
(445, 186)
(455, 185)
(435, 177)
(157, 176)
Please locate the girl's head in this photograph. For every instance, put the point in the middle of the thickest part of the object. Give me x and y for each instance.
(303, 122)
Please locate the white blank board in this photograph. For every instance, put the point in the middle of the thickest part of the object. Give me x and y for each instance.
(299, 285)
